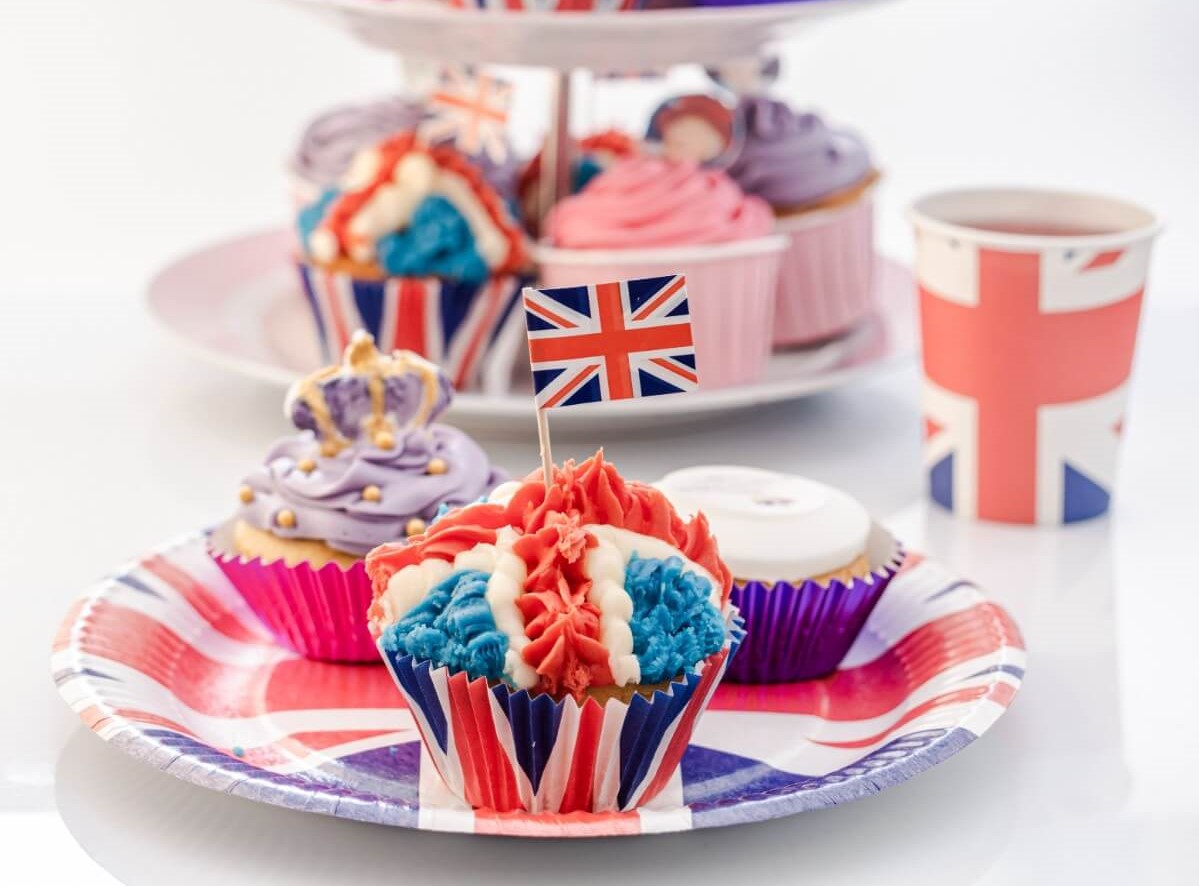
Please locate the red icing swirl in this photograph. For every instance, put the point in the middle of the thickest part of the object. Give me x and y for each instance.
(563, 627)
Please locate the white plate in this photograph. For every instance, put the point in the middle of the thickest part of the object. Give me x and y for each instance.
(238, 303)
(634, 41)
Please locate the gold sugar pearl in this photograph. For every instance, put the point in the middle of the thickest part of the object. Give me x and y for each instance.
(329, 448)
(415, 526)
(286, 519)
(246, 494)
(385, 440)
(307, 465)
(437, 466)
(372, 493)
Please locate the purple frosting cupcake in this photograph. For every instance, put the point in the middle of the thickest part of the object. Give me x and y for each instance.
(795, 160)
(329, 143)
(369, 465)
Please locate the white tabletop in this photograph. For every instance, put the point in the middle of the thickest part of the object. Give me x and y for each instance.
(145, 128)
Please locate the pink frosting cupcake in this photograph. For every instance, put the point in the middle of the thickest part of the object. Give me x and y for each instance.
(648, 217)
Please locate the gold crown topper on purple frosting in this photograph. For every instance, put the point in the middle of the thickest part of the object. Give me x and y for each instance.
(369, 397)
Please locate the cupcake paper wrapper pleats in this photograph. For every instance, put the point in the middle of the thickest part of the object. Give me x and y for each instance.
(826, 281)
(803, 631)
(506, 750)
(470, 329)
(319, 613)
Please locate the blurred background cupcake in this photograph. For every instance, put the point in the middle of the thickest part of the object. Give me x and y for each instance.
(808, 563)
(591, 154)
(820, 183)
(328, 144)
(649, 216)
(414, 246)
(369, 464)
(556, 644)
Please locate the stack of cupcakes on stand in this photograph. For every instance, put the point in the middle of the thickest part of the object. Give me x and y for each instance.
(650, 216)
(557, 642)
(808, 563)
(369, 464)
(414, 246)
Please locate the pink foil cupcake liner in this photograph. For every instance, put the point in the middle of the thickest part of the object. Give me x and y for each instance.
(803, 631)
(731, 290)
(826, 281)
(507, 750)
(318, 613)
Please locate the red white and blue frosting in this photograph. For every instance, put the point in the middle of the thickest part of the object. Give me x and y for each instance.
(594, 582)
(408, 209)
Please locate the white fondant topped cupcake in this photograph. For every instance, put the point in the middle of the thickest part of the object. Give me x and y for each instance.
(773, 526)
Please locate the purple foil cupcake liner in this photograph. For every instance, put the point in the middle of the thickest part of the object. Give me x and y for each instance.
(507, 750)
(318, 613)
(803, 631)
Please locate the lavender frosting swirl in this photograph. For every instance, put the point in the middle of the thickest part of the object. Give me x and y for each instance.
(329, 143)
(328, 503)
(348, 400)
(790, 159)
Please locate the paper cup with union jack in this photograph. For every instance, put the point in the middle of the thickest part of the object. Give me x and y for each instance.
(506, 750)
(731, 289)
(1029, 303)
(469, 329)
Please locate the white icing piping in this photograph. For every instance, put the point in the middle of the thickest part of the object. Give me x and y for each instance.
(629, 543)
(604, 565)
(390, 208)
(505, 585)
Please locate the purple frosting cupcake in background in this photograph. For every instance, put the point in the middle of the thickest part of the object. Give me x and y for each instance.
(795, 160)
(329, 143)
(820, 182)
(369, 465)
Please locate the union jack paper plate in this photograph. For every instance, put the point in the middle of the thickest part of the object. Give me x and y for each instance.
(166, 662)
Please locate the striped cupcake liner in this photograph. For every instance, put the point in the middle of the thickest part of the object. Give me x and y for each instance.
(318, 613)
(803, 631)
(826, 281)
(471, 330)
(506, 750)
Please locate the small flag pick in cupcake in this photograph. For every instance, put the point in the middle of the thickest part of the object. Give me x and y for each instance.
(470, 109)
(608, 341)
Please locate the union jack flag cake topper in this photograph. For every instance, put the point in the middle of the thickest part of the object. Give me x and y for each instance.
(610, 341)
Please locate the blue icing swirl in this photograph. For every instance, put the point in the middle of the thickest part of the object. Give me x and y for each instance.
(453, 627)
(311, 216)
(438, 242)
(674, 623)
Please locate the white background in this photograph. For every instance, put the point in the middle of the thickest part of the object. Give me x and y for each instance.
(137, 129)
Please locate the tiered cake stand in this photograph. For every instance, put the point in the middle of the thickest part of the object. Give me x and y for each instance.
(236, 303)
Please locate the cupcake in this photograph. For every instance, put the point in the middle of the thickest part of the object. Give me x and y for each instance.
(369, 464)
(820, 183)
(415, 247)
(329, 143)
(592, 155)
(650, 217)
(808, 565)
(556, 645)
